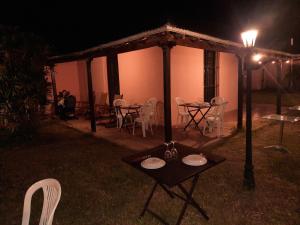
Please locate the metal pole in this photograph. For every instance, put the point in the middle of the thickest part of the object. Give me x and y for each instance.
(240, 92)
(279, 88)
(248, 171)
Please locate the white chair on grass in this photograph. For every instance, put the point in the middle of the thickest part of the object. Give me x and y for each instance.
(52, 192)
(144, 119)
(153, 114)
(182, 113)
(119, 112)
(215, 118)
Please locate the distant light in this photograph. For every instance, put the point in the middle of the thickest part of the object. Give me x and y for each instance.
(257, 57)
(259, 62)
(273, 62)
(249, 38)
(287, 61)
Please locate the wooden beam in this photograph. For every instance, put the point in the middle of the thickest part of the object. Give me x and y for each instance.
(91, 94)
(279, 86)
(167, 91)
(240, 92)
(207, 45)
(54, 90)
(113, 77)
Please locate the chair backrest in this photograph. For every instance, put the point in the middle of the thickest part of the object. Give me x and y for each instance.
(180, 101)
(153, 102)
(52, 192)
(119, 102)
(146, 111)
(219, 108)
(118, 97)
(217, 100)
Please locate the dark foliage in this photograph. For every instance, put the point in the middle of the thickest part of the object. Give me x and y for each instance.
(23, 84)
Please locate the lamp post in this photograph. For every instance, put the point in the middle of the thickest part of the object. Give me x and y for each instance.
(249, 38)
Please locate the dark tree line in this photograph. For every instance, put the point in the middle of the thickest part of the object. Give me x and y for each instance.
(23, 84)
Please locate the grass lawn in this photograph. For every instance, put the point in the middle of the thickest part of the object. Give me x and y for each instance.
(97, 188)
(269, 97)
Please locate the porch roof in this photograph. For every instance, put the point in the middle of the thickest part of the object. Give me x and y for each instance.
(162, 35)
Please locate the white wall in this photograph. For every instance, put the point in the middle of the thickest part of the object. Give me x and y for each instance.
(186, 75)
(228, 79)
(99, 76)
(141, 76)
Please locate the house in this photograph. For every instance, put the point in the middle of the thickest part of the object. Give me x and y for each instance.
(164, 63)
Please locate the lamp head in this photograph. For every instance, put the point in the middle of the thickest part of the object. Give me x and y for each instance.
(249, 38)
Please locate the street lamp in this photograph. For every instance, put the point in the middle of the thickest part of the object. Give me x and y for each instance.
(249, 38)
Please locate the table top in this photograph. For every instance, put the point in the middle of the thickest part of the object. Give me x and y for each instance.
(283, 118)
(131, 107)
(200, 105)
(175, 171)
(296, 107)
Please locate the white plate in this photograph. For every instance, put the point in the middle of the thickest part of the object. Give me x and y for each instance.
(194, 160)
(153, 163)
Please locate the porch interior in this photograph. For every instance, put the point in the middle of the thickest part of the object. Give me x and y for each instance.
(191, 137)
(124, 137)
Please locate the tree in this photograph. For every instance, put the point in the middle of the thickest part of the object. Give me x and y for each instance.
(23, 84)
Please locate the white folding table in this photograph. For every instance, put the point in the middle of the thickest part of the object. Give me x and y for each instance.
(282, 119)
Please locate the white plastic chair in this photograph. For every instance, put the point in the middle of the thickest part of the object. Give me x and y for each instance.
(117, 103)
(215, 118)
(144, 119)
(182, 114)
(52, 192)
(153, 114)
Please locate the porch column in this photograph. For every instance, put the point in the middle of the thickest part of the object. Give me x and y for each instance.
(167, 91)
(248, 171)
(113, 77)
(54, 90)
(90, 93)
(279, 87)
(240, 92)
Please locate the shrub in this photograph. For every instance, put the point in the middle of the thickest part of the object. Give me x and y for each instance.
(23, 84)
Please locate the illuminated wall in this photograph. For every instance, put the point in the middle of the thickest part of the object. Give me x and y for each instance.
(141, 76)
(99, 76)
(186, 75)
(228, 79)
(71, 76)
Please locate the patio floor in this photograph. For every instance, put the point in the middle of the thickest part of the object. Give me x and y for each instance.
(192, 137)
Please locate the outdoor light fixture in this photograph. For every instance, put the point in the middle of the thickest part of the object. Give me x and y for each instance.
(257, 57)
(287, 61)
(249, 38)
(273, 62)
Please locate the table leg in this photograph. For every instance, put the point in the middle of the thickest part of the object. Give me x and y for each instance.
(148, 200)
(192, 118)
(203, 115)
(194, 203)
(188, 200)
(281, 133)
(166, 190)
(279, 146)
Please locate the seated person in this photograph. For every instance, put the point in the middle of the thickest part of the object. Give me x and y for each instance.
(60, 102)
(66, 106)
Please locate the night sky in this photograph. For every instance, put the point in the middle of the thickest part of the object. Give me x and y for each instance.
(77, 25)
